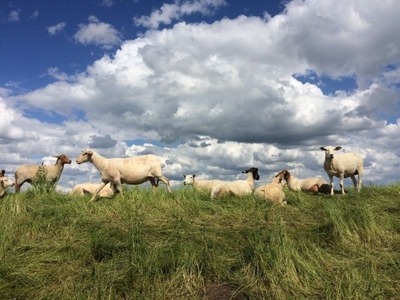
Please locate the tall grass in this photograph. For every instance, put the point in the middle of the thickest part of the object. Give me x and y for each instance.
(156, 245)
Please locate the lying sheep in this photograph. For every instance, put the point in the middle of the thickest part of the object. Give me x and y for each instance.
(204, 185)
(27, 173)
(89, 188)
(273, 191)
(4, 183)
(343, 166)
(310, 184)
(130, 170)
(237, 187)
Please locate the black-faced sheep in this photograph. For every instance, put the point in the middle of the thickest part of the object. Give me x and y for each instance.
(237, 187)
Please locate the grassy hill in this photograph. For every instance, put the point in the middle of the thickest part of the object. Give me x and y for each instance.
(155, 245)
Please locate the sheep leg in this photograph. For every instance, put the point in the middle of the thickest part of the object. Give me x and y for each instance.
(153, 182)
(341, 182)
(359, 181)
(96, 193)
(332, 184)
(353, 178)
(166, 182)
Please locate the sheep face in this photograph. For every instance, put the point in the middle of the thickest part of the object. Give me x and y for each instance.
(284, 174)
(84, 157)
(4, 181)
(63, 159)
(254, 171)
(329, 151)
(189, 179)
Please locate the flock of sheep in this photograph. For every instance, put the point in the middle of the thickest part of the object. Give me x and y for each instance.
(136, 170)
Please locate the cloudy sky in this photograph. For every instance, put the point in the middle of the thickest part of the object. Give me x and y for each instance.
(211, 86)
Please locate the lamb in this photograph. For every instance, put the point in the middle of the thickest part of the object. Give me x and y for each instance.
(343, 166)
(205, 185)
(90, 188)
(273, 191)
(130, 170)
(310, 184)
(27, 173)
(4, 183)
(237, 187)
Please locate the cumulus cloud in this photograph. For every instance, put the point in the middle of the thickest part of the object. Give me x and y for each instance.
(170, 12)
(98, 33)
(217, 98)
(55, 29)
(14, 16)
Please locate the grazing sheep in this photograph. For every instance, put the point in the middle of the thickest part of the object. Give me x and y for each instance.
(204, 185)
(273, 191)
(237, 187)
(130, 170)
(27, 173)
(4, 183)
(90, 188)
(310, 184)
(343, 166)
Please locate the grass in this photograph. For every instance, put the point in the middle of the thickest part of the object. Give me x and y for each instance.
(156, 245)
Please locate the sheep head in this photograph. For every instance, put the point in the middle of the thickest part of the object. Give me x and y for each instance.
(253, 171)
(84, 157)
(63, 159)
(284, 174)
(329, 151)
(189, 179)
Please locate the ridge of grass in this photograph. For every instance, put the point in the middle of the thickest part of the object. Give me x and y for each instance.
(156, 245)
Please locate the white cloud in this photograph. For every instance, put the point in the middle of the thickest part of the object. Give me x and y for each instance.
(98, 33)
(55, 29)
(224, 97)
(35, 14)
(170, 12)
(14, 16)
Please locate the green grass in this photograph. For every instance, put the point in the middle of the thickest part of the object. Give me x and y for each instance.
(156, 245)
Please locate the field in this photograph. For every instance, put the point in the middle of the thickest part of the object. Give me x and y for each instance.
(156, 245)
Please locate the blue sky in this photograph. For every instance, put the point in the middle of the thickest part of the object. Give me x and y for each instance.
(211, 86)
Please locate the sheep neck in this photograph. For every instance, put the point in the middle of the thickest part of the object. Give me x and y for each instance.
(98, 161)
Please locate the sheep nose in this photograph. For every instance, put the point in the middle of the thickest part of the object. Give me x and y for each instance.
(331, 155)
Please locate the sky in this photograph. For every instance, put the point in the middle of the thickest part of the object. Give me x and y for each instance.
(212, 87)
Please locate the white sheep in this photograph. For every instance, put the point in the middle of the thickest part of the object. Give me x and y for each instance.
(27, 173)
(310, 184)
(237, 187)
(5, 183)
(273, 191)
(130, 170)
(343, 166)
(89, 188)
(204, 185)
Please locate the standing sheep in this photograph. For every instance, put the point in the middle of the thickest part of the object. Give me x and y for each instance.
(4, 183)
(343, 166)
(27, 173)
(204, 185)
(237, 187)
(130, 170)
(310, 184)
(273, 191)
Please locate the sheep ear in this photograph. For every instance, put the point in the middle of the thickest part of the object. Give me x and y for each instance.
(184, 176)
(89, 152)
(338, 148)
(2, 172)
(194, 176)
(322, 148)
